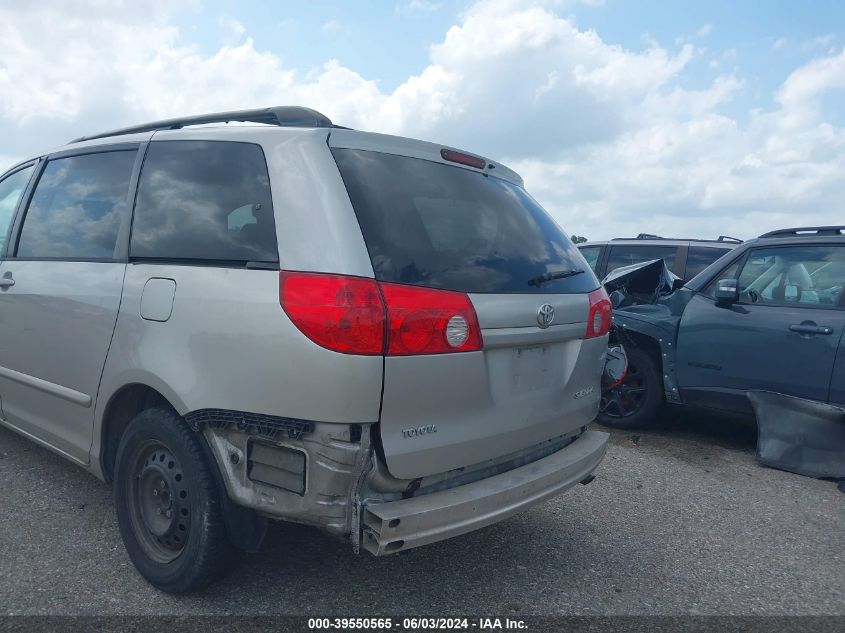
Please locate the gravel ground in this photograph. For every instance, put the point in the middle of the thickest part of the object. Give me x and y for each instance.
(679, 520)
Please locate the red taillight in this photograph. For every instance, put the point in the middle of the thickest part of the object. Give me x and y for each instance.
(428, 321)
(347, 314)
(463, 159)
(344, 314)
(601, 314)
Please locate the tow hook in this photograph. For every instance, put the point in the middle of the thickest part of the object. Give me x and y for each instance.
(588, 479)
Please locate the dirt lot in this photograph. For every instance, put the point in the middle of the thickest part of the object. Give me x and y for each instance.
(680, 520)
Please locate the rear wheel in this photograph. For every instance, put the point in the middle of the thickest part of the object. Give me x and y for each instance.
(637, 400)
(168, 505)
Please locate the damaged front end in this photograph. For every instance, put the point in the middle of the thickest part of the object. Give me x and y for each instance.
(648, 301)
(643, 283)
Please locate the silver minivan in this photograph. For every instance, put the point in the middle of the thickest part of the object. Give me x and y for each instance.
(261, 315)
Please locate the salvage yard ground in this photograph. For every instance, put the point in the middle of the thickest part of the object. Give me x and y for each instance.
(679, 520)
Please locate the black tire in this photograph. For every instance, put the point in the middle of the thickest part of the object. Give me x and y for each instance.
(636, 402)
(168, 505)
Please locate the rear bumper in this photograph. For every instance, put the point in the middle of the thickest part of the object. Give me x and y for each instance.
(400, 525)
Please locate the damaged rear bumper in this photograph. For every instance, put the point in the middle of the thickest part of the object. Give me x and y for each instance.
(399, 525)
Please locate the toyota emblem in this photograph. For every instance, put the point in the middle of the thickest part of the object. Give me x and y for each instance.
(545, 315)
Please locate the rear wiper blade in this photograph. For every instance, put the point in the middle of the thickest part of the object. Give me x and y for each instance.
(561, 274)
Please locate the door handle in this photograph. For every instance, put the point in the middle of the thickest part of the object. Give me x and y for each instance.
(807, 328)
(6, 282)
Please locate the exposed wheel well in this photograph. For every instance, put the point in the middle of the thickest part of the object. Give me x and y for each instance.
(651, 347)
(121, 409)
(245, 527)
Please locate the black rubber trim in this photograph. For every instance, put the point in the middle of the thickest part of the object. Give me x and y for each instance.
(270, 426)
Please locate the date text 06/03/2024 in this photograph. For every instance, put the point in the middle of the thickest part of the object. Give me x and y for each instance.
(415, 624)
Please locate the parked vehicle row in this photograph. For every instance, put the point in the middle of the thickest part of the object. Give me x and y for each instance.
(381, 337)
(685, 258)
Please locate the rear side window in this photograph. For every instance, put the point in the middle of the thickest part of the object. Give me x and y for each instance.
(591, 254)
(434, 225)
(78, 205)
(11, 188)
(627, 254)
(204, 200)
(700, 257)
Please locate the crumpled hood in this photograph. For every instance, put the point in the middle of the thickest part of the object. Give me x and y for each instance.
(642, 283)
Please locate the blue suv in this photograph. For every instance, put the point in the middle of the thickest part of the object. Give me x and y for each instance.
(766, 317)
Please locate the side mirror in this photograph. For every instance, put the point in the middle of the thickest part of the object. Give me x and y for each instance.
(727, 290)
(616, 298)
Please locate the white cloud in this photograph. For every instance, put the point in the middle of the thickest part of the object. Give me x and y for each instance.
(418, 6)
(612, 141)
(704, 31)
(232, 26)
(820, 42)
(812, 79)
(333, 26)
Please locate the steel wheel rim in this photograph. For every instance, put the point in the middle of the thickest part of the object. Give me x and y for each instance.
(628, 397)
(159, 502)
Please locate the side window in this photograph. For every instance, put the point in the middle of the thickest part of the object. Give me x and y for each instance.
(625, 255)
(811, 276)
(78, 206)
(11, 188)
(700, 257)
(204, 200)
(591, 254)
(240, 217)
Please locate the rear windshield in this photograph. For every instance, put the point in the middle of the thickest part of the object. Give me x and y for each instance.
(429, 224)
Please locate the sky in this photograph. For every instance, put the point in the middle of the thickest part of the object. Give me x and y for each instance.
(683, 119)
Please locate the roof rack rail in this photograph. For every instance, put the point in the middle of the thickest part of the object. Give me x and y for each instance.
(641, 236)
(728, 238)
(806, 231)
(283, 116)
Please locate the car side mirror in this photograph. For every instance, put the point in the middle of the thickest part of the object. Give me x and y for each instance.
(727, 290)
(616, 298)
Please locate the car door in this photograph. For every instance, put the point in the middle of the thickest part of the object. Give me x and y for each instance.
(12, 187)
(782, 335)
(60, 289)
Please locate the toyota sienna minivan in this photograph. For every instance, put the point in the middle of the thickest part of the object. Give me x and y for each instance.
(261, 315)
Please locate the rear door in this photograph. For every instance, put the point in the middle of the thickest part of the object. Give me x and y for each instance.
(431, 224)
(781, 336)
(60, 289)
